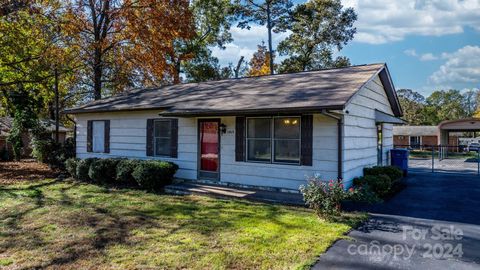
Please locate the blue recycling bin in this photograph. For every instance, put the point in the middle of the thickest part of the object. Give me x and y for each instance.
(399, 158)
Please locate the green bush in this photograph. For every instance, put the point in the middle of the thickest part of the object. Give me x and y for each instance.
(5, 155)
(83, 166)
(71, 166)
(363, 194)
(154, 175)
(47, 151)
(125, 169)
(103, 170)
(379, 184)
(394, 173)
(324, 197)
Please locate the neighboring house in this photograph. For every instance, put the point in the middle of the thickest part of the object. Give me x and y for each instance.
(6, 125)
(415, 136)
(447, 133)
(268, 131)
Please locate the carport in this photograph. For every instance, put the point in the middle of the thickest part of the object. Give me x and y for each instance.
(461, 125)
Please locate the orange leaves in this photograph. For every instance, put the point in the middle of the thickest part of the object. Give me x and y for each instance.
(126, 42)
(260, 62)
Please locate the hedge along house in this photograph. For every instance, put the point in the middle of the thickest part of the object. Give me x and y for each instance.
(268, 131)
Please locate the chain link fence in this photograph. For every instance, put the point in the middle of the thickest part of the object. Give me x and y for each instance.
(443, 158)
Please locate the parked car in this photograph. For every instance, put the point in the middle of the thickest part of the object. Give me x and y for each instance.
(474, 147)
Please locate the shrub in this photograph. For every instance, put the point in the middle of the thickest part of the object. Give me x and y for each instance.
(394, 173)
(363, 194)
(153, 175)
(71, 166)
(379, 184)
(83, 167)
(103, 170)
(5, 155)
(324, 197)
(125, 169)
(47, 151)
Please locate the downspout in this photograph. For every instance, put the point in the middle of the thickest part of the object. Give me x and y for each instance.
(340, 141)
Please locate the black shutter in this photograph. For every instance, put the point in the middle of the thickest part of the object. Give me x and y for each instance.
(150, 124)
(174, 138)
(89, 136)
(240, 138)
(307, 140)
(107, 137)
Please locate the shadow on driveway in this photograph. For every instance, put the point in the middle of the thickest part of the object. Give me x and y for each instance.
(432, 224)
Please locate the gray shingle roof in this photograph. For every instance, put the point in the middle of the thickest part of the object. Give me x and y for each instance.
(415, 130)
(323, 89)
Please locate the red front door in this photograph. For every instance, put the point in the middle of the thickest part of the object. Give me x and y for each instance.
(209, 141)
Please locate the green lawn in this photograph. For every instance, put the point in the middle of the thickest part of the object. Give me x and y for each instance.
(53, 224)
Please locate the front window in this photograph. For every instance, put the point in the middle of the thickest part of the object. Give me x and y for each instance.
(273, 140)
(98, 136)
(163, 137)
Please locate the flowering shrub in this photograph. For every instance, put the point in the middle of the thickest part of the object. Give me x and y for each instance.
(324, 197)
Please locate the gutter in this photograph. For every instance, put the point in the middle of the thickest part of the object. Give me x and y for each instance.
(339, 139)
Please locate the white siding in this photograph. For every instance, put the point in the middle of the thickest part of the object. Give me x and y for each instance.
(360, 134)
(128, 139)
(283, 176)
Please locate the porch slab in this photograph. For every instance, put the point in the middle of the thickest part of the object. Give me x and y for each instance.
(184, 188)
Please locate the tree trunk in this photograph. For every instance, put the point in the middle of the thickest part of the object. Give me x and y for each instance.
(269, 27)
(239, 65)
(57, 114)
(97, 75)
(176, 75)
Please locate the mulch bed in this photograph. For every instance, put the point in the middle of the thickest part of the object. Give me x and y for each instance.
(27, 170)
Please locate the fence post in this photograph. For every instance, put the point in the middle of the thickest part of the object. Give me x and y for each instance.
(433, 159)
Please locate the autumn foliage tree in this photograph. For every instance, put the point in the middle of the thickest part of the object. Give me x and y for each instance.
(125, 42)
(260, 62)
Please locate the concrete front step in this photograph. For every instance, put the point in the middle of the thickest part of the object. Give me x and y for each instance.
(233, 192)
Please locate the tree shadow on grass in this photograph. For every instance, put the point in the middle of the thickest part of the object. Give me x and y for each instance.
(74, 224)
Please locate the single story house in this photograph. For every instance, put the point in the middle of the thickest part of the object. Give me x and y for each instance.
(268, 131)
(6, 125)
(415, 136)
(419, 137)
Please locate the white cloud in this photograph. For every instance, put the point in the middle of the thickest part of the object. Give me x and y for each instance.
(461, 67)
(381, 21)
(245, 43)
(422, 57)
(428, 57)
(410, 52)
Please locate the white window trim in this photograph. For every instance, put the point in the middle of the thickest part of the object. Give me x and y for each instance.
(272, 140)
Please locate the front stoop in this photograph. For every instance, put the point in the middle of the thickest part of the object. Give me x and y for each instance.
(184, 188)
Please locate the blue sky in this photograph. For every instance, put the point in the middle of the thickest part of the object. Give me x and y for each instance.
(427, 44)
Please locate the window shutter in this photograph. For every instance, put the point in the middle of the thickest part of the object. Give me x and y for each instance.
(240, 138)
(174, 138)
(150, 137)
(89, 136)
(107, 137)
(307, 140)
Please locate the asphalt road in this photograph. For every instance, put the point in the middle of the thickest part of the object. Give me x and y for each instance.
(432, 224)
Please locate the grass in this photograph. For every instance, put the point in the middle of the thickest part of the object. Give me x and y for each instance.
(73, 225)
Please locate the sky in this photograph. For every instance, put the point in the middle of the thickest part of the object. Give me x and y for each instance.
(428, 45)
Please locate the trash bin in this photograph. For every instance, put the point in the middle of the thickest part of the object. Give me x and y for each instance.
(399, 158)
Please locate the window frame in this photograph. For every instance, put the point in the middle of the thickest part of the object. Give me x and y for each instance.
(103, 135)
(154, 138)
(272, 140)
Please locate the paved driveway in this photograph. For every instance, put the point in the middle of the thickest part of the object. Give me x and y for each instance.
(432, 224)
